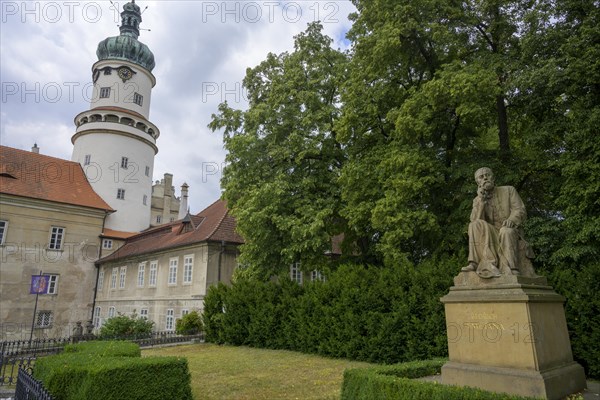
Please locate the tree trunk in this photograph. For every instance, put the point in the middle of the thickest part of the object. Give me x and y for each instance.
(502, 124)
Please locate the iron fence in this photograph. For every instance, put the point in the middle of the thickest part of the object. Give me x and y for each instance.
(29, 388)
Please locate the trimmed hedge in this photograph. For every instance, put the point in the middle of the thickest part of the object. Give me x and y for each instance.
(106, 349)
(88, 372)
(397, 382)
(377, 314)
(382, 315)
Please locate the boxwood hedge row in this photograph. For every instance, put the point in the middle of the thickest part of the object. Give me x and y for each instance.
(88, 371)
(397, 382)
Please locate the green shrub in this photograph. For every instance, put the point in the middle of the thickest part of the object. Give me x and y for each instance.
(106, 348)
(189, 324)
(366, 313)
(397, 382)
(148, 378)
(113, 371)
(123, 326)
(63, 374)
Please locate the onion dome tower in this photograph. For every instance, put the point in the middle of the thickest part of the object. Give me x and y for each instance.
(114, 141)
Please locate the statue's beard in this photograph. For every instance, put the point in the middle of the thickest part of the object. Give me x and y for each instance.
(488, 186)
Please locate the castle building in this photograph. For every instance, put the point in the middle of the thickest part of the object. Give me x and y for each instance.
(166, 207)
(103, 238)
(50, 223)
(114, 141)
(164, 272)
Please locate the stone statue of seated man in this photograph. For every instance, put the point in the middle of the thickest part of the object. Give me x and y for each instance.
(496, 243)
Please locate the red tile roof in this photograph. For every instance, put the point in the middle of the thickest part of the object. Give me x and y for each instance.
(111, 233)
(27, 174)
(213, 224)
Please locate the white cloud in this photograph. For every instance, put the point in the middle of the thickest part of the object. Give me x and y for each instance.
(202, 50)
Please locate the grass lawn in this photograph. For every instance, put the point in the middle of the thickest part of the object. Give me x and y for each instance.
(225, 372)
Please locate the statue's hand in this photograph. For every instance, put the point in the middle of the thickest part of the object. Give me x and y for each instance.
(482, 193)
(509, 224)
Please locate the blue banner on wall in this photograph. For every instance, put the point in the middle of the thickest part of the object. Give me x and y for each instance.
(39, 284)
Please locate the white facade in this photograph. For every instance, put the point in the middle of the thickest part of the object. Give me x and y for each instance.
(115, 143)
(122, 91)
(127, 190)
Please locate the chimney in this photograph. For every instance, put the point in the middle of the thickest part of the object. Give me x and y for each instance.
(168, 195)
(35, 149)
(183, 204)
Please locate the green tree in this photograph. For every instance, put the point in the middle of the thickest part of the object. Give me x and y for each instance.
(189, 324)
(283, 157)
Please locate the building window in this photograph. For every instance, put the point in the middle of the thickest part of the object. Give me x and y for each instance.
(101, 279)
(145, 199)
(184, 312)
(111, 312)
(52, 284)
(316, 276)
(43, 319)
(121, 194)
(152, 276)
(3, 229)
(171, 219)
(107, 244)
(138, 99)
(87, 159)
(147, 170)
(296, 273)
(104, 92)
(56, 238)
(97, 313)
(144, 313)
(158, 219)
(172, 271)
(113, 278)
(122, 277)
(188, 267)
(141, 273)
(170, 320)
(124, 162)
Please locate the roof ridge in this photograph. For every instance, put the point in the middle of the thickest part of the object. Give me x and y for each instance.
(32, 154)
(207, 207)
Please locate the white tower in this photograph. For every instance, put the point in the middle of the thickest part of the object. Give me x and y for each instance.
(114, 141)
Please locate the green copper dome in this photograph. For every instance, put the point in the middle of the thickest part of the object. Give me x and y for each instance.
(126, 46)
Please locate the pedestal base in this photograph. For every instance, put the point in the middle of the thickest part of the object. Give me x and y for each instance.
(509, 334)
(552, 384)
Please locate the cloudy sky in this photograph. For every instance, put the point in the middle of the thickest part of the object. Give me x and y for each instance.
(201, 48)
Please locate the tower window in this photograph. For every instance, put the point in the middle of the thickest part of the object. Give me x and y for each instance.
(121, 194)
(107, 71)
(147, 170)
(87, 159)
(124, 162)
(145, 200)
(138, 99)
(104, 92)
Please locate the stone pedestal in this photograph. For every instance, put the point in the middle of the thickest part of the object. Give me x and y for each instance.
(509, 334)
